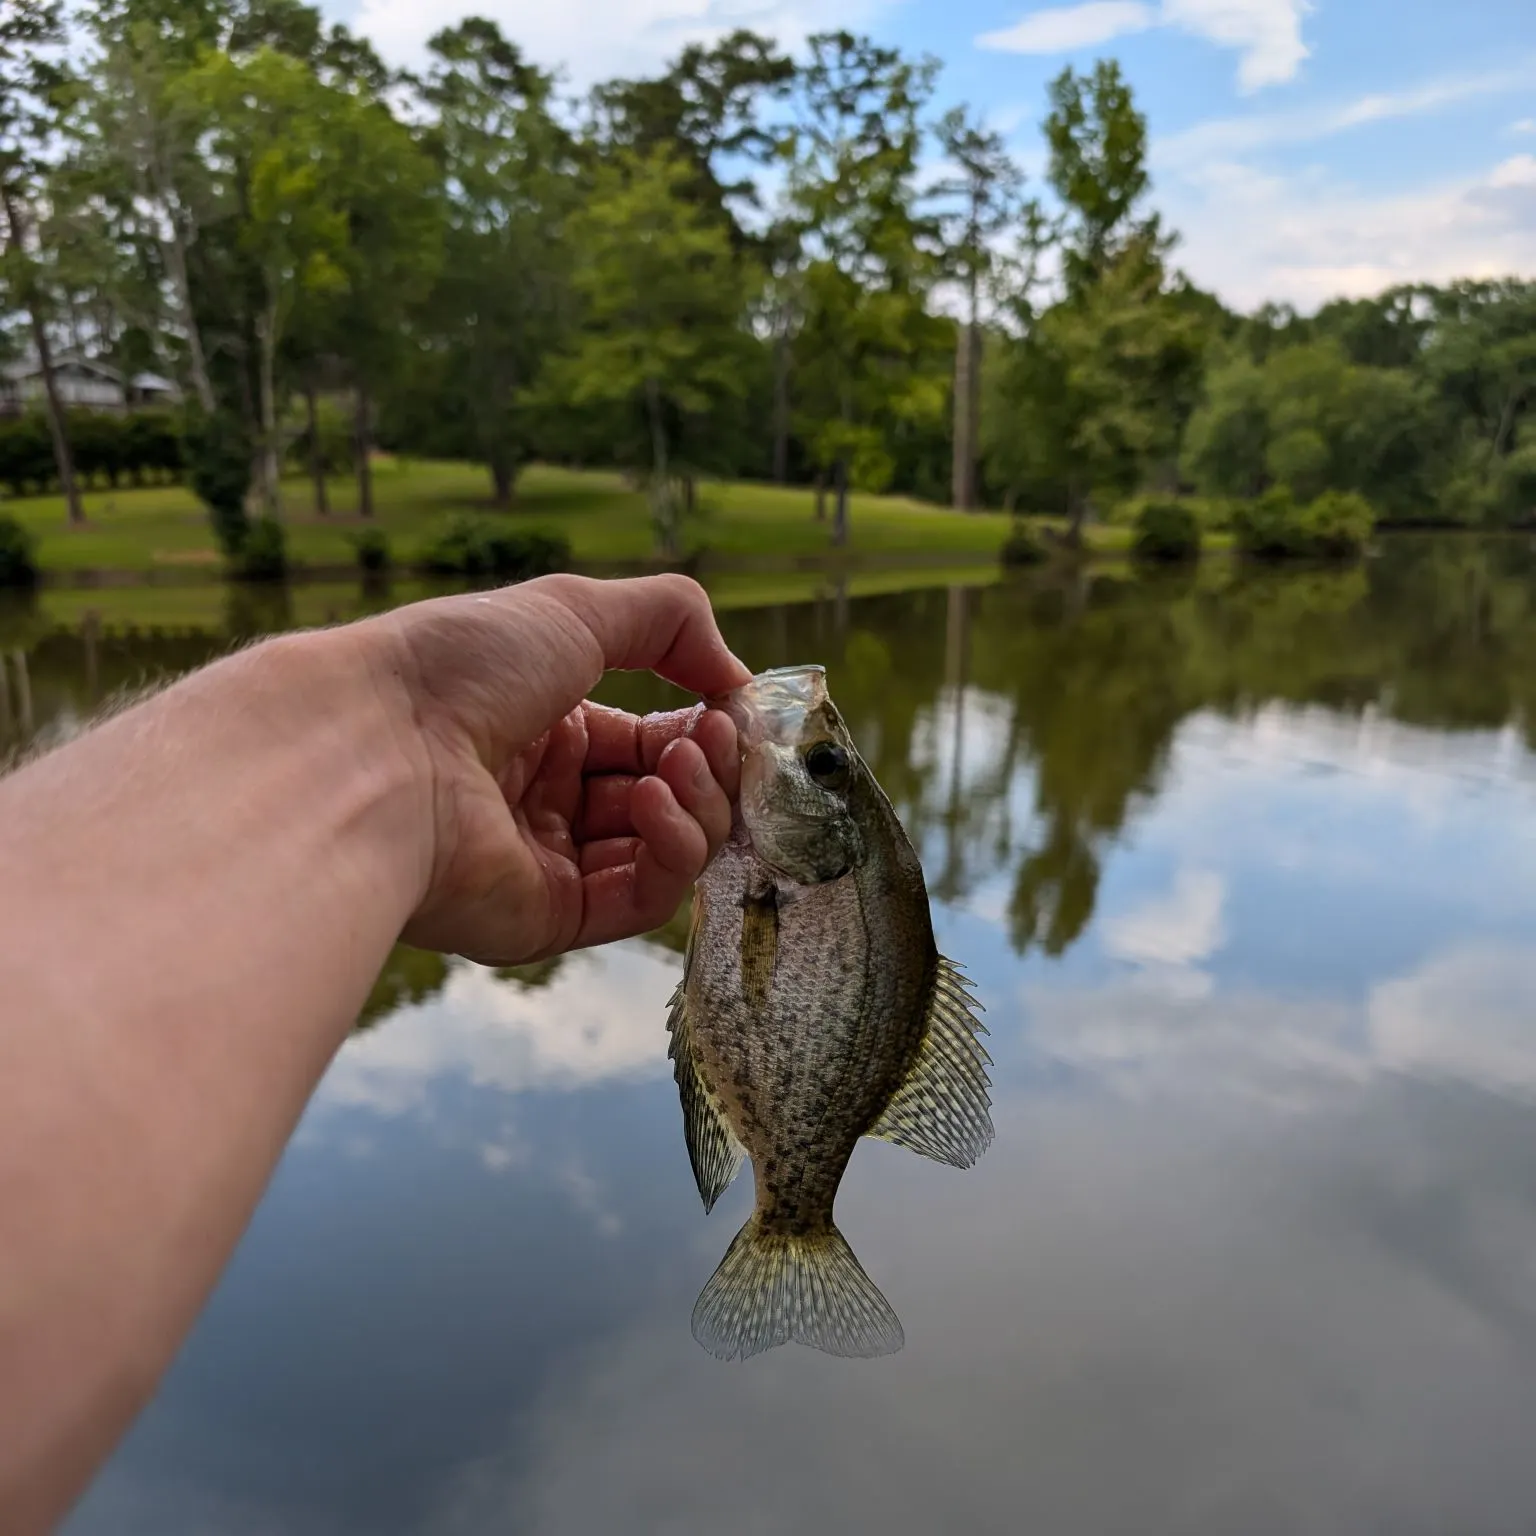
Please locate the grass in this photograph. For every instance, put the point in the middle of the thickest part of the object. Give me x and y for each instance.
(162, 529)
(207, 608)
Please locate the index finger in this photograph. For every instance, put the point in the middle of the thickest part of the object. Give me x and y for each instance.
(663, 624)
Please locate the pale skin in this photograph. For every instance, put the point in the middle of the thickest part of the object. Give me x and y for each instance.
(197, 895)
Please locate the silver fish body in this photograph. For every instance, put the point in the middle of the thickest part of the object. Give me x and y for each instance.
(815, 1010)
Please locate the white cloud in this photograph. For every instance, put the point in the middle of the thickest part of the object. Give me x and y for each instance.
(1179, 929)
(1061, 29)
(1265, 33)
(597, 39)
(1223, 138)
(1253, 236)
(1523, 125)
(602, 1018)
(1467, 1015)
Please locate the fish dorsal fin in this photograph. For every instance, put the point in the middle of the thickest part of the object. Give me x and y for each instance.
(943, 1108)
(713, 1149)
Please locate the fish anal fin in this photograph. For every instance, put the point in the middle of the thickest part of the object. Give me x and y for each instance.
(943, 1108)
(713, 1149)
(772, 1289)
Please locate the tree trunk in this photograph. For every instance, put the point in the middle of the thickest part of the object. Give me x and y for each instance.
(1079, 515)
(58, 429)
(967, 410)
(780, 409)
(661, 496)
(316, 452)
(271, 493)
(840, 509)
(362, 446)
(821, 496)
(503, 482)
(176, 253)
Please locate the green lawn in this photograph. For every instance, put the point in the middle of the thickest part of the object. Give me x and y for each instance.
(163, 529)
(213, 608)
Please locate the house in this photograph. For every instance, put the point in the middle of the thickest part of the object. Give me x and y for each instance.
(83, 383)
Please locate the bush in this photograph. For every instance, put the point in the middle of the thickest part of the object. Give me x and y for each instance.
(1338, 524)
(372, 546)
(1166, 529)
(1022, 547)
(1266, 528)
(1334, 526)
(262, 554)
(18, 558)
(219, 470)
(478, 546)
(26, 455)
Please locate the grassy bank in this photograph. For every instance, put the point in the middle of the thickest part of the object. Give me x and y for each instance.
(162, 529)
(216, 609)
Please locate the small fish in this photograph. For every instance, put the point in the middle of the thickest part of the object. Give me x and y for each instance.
(814, 1010)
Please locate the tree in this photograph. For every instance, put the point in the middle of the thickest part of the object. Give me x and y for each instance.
(32, 88)
(502, 301)
(986, 198)
(1311, 420)
(1098, 168)
(871, 259)
(270, 129)
(663, 302)
(391, 254)
(706, 109)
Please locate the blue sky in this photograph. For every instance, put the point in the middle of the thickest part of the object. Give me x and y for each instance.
(1301, 149)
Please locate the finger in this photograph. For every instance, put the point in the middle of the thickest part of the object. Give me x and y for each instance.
(624, 900)
(716, 734)
(661, 623)
(619, 742)
(686, 772)
(605, 808)
(610, 853)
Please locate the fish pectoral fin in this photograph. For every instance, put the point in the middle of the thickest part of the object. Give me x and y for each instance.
(943, 1108)
(713, 1149)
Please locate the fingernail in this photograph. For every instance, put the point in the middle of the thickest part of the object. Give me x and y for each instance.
(703, 776)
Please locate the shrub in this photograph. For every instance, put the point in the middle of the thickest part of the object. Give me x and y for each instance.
(18, 558)
(263, 552)
(152, 444)
(372, 546)
(219, 470)
(1023, 546)
(1334, 526)
(1266, 528)
(1166, 529)
(477, 546)
(26, 454)
(1338, 524)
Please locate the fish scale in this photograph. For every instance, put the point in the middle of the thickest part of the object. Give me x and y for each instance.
(814, 1011)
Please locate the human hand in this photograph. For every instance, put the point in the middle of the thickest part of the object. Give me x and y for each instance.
(556, 823)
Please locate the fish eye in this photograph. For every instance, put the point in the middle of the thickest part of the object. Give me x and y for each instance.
(825, 760)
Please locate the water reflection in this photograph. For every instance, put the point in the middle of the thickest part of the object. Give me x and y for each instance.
(1246, 872)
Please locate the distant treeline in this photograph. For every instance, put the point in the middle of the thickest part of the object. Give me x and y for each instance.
(733, 267)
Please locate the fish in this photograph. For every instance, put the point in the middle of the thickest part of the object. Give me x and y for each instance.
(814, 1011)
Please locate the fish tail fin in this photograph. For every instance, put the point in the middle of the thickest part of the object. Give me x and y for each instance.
(772, 1288)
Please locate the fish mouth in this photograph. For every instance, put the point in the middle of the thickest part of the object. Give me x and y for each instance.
(773, 704)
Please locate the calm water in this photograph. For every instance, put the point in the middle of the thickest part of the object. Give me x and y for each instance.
(1247, 878)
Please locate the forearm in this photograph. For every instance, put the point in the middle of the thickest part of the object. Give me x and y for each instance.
(194, 901)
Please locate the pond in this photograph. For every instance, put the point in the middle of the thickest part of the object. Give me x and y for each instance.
(1245, 871)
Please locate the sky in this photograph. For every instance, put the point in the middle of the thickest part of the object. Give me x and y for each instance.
(1303, 149)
